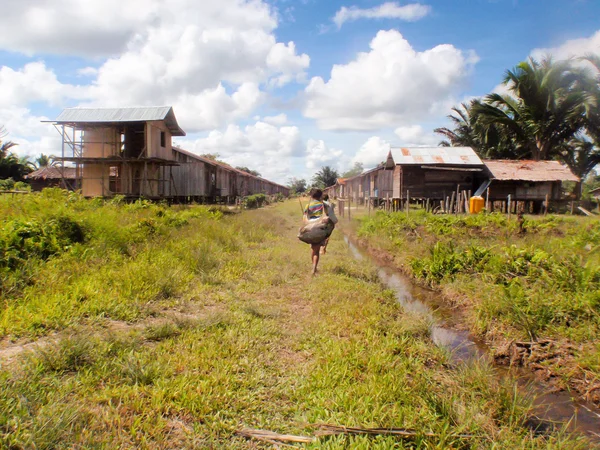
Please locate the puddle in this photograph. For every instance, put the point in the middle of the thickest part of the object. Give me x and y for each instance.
(551, 408)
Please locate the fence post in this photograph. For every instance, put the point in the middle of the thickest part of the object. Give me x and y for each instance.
(508, 207)
(349, 206)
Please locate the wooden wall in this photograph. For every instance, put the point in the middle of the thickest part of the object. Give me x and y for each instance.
(523, 190)
(433, 183)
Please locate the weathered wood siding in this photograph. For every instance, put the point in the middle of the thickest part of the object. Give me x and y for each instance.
(522, 190)
(433, 183)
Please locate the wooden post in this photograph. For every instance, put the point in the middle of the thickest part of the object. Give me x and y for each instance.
(427, 205)
(508, 207)
(457, 197)
(451, 206)
(369, 201)
(407, 201)
(546, 205)
(349, 206)
(487, 199)
(467, 196)
(572, 206)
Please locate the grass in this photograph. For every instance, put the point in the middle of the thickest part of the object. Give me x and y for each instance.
(226, 329)
(543, 283)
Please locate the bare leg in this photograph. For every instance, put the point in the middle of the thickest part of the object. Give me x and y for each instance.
(324, 248)
(325, 242)
(315, 256)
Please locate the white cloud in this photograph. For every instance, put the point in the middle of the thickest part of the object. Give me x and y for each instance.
(210, 60)
(318, 155)
(571, 48)
(278, 120)
(391, 83)
(34, 83)
(372, 152)
(261, 146)
(71, 26)
(389, 10)
(415, 136)
(213, 107)
(26, 129)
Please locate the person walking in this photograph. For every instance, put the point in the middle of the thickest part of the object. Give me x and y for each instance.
(315, 210)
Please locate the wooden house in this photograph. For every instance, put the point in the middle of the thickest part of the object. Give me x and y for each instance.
(433, 172)
(135, 144)
(531, 182)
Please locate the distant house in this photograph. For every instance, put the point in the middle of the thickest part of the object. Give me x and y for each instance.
(135, 144)
(527, 181)
(63, 177)
(51, 177)
(434, 172)
(338, 190)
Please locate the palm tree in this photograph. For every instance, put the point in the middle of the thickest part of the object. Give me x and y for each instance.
(44, 161)
(10, 165)
(487, 142)
(548, 108)
(581, 155)
(325, 177)
(463, 134)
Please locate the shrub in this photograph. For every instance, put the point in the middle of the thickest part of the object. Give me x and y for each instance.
(21, 239)
(22, 186)
(255, 201)
(7, 184)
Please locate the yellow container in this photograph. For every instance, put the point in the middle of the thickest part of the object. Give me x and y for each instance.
(476, 204)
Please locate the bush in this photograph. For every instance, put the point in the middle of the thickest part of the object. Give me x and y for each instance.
(7, 185)
(22, 186)
(255, 201)
(21, 239)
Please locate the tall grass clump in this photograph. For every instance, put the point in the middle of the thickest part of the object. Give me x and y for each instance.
(64, 258)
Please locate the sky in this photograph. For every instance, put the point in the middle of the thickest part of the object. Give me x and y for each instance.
(281, 86)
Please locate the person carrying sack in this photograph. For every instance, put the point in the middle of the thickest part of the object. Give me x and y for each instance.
(317, 226)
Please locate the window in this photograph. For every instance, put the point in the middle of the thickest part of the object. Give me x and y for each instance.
(163, 139)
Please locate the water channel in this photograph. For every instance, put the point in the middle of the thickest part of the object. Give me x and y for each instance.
(549, 407)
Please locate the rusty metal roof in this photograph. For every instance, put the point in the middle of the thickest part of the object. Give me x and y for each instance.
(56, 173)
(526, 170)
(435, 155)
(120, 115)
(52, 173)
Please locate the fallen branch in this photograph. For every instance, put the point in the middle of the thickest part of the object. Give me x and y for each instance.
(273, 438)
(327, 430)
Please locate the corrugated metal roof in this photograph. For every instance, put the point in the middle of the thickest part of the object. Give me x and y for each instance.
(117, 115)
(525, 170)
(53, 173)
(56, 173)
(435, 155)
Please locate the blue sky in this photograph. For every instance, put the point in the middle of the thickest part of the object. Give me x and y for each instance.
(253, 81)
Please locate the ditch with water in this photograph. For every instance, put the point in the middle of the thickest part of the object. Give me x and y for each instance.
(551, 409)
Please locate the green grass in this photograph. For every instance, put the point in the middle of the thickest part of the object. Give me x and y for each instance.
(543, 283)
(196, 330)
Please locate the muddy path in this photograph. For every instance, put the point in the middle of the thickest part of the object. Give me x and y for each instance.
(551, 407)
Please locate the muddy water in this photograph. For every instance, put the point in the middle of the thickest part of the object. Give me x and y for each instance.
(551, 408)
